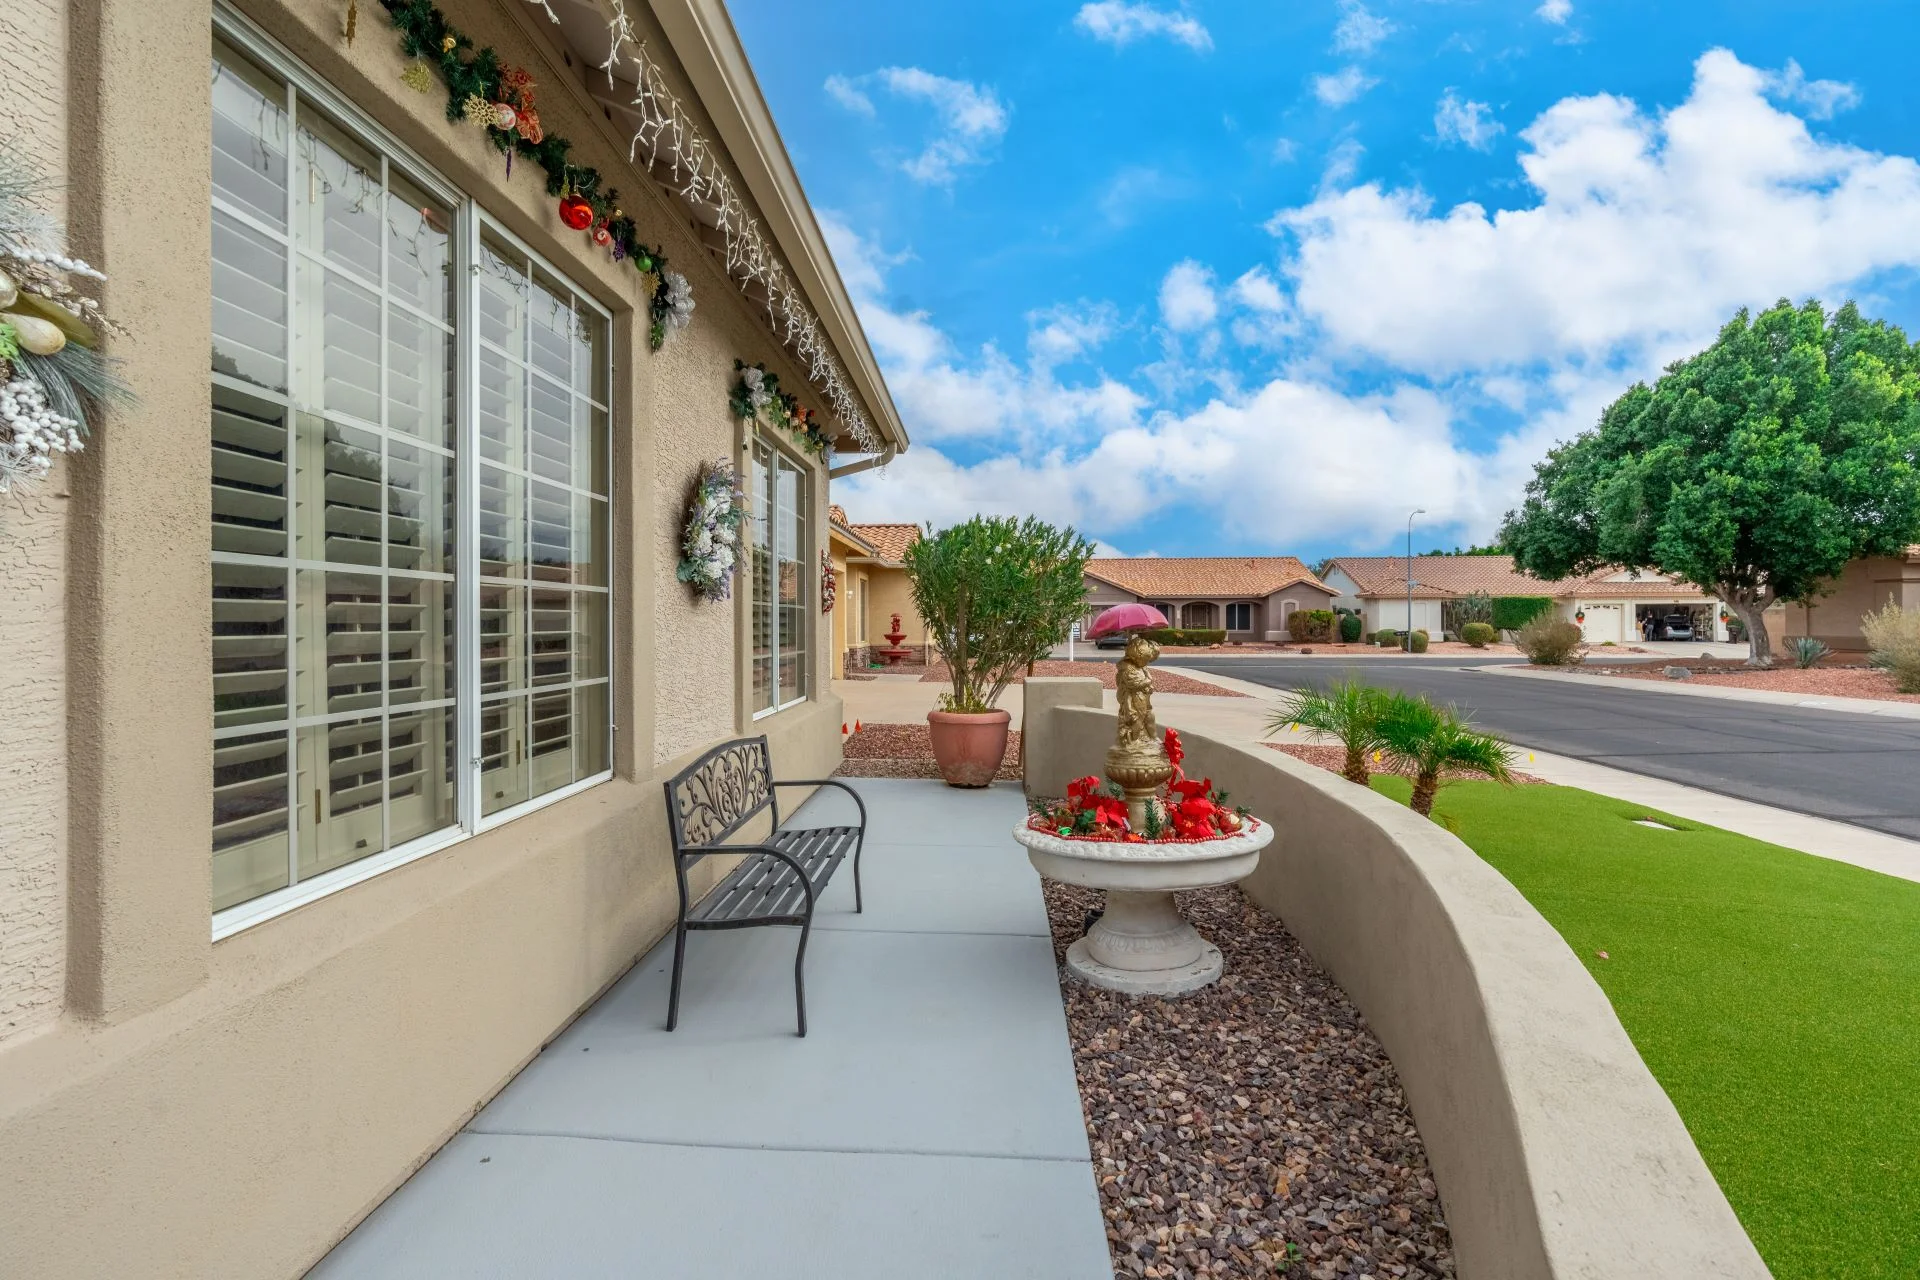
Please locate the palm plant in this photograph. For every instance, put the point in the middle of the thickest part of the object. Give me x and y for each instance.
(1426, 742)
(1347, 711)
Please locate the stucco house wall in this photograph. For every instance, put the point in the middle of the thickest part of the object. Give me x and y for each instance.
(175, 1106)
(1864, 587)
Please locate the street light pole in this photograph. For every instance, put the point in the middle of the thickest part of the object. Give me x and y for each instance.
(1407, 643)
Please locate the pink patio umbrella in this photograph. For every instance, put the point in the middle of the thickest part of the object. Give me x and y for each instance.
(1131, 616)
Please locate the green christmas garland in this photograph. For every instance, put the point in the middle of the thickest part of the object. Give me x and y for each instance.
(477, 75)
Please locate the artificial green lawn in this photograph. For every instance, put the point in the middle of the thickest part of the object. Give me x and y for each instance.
(1775, 996)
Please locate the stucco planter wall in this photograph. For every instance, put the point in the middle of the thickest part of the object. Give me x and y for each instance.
(1556, 1152)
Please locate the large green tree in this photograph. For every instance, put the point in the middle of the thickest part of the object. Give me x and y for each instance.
(1757, 468)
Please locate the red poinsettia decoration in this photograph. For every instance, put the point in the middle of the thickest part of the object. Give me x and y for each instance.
(1175, 752)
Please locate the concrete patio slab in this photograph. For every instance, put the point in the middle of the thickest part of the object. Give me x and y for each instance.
(928, 1125)
(514, 1208)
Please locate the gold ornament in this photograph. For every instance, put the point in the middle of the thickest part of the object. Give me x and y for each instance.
(446, 45)
(417, 77)
(477, 110)
(41, 337)
(1138, 758)
(353, 20)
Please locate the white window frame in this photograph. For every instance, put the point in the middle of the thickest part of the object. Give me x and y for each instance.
(774, 456)
(469, 218)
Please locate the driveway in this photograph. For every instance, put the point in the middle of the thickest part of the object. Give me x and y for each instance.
(1850, 768)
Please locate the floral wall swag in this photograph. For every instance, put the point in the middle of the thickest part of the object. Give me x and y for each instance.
(756, 394)
(710, 545)
(499, 99)
(53, 381)
(829, 583)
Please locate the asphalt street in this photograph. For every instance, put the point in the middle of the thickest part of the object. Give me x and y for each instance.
(1851, 768)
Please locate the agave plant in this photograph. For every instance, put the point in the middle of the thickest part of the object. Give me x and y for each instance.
(1807, 651)
(1348, 711)
(1426, 742)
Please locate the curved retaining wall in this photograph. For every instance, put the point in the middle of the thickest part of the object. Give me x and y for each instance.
(1556, 1152)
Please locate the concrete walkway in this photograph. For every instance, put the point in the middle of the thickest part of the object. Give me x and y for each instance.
(928, 1126)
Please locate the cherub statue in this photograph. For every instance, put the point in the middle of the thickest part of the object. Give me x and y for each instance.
(1135, 694)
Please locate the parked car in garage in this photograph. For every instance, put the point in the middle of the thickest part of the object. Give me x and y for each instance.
(1676, 626)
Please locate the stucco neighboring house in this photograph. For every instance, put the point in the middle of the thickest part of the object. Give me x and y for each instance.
(883, 592)
(1249, 597)
(1609, 605)
(848, 552)
(345, 667)
(1864, 587)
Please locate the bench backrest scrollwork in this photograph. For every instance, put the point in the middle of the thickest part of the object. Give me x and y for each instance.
(719, 793)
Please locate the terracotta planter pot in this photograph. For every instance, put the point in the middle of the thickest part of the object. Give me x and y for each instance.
(969, 746)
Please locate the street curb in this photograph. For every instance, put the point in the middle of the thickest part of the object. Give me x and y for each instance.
(1855, 706)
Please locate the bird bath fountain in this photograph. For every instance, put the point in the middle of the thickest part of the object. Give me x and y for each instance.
(1142, 846)
(897, 653)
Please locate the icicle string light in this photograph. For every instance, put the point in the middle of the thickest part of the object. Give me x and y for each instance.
(674, 148)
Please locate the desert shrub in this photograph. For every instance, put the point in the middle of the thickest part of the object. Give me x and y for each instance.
(1475, 606)
(1420, 642)
(1893, 638)
(1350, 627)
(1807, 651)
(1310, 625)
(1386, 637)
(1510, 613)
(1478, 634)
(1549, 641)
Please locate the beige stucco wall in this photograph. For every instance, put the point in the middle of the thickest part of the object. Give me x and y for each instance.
(33, 775)
(1556, 1152)
(1864, 587)
(171, 1106)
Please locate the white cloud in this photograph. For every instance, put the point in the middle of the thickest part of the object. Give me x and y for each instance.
(1343, 86)
(1343, 162)
(1187, 301)
(1359, 31)
(1470, 124)
(1646, 232)
(1823, 99)
(1639, 234)
(1555, 11)
(1284, 150)
(1119, 23)
(972, 118)
(848, 94)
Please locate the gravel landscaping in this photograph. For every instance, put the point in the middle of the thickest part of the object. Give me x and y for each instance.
(1104, 672)
(1823, 681)
(1252, 1128)
(906, 751)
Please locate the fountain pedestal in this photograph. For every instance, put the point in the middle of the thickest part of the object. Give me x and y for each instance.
(1142, 944)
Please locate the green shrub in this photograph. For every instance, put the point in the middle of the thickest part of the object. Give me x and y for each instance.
(1479, 634)
(1350, 627)
(1186, 635)
(1549, 642)
(1420, 642)
(1310, 626)
(1807, 651)
(1510, 613)
(1386, 637)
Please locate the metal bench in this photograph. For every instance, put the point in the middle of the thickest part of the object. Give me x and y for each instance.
(781, 876)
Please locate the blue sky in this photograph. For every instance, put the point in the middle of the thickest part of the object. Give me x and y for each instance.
(1232, 277)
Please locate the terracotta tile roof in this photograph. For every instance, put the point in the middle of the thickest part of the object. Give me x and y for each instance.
(889, 541)
(837, 514)
(1450, 577)
(1212, 577)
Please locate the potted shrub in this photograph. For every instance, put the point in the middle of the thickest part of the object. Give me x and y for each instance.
(996, 594)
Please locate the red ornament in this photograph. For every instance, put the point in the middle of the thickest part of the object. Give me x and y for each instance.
(576, 212)
(602, 236)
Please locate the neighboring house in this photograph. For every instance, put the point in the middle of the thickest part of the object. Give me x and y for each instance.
(345, 668)
(883, 591)
(1248, 597)
(1610, 605)
(1864, 587)
(851, 555)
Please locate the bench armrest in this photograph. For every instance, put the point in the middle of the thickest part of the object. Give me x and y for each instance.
(799, 871)
(831, 782)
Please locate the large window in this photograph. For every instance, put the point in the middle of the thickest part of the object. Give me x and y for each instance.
(781, 619)
(392, 661)
(1240, 616)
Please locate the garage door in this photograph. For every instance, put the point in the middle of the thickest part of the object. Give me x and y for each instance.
(1603, 623)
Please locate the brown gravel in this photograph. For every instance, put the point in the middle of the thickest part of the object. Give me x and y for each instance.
(1104, 672)
(1824, 681)
(906, 751)
(1334, 759)
(1250, 1128)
